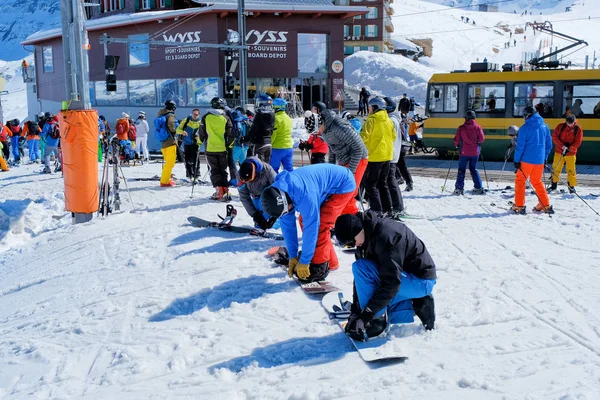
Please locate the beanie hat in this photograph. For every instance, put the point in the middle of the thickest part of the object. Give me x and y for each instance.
(570, 118)
(347, 226)
(248, 170)
(308, 114)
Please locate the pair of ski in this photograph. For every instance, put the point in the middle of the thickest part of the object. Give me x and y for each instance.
(523, 212)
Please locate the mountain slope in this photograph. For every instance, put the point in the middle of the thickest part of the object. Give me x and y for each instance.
(534, 6)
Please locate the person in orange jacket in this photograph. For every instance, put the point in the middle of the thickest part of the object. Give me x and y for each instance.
(567, 138)
(3, 165)
(32, 131)
(4, 135)
(122, 127)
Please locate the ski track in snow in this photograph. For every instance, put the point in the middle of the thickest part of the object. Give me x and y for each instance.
(140, 305)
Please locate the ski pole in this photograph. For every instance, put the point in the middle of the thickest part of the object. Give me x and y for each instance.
(577, 194)
(487, 184)
(302, 157)
(127, 187)
(196, 168)
(448, 174)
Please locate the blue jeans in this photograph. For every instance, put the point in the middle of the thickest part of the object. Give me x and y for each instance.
(282, 156)
(239, 154)
(34, 152)
(258, 206)
(400, 309)
(462, 169)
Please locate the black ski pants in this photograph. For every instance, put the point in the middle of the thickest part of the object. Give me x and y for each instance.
(317, 158)
(262, 151)
(376, 186)
(395, 193)
(403, 169)
(191, 156)
(218, 168)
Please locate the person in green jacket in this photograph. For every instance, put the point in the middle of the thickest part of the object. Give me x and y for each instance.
(281, 140)
(378, 134)
(217, 131)
(188, 128)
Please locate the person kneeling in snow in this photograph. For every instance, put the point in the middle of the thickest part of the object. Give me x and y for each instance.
(319, 193)
(256, 175)
(394, 274)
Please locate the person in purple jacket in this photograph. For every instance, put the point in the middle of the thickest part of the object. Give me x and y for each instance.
(319, 192)
(468, 139)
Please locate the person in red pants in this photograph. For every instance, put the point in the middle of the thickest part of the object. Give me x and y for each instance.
(319, 192)
(533, 147)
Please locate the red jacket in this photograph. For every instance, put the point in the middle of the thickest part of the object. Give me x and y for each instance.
(571, 137)
(319, 145)
(469, 136)
(4, 133)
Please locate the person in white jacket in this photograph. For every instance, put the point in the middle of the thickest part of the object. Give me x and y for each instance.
(395, 193)
(141, 141)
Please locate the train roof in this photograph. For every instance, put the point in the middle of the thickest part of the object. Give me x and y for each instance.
(520, 76)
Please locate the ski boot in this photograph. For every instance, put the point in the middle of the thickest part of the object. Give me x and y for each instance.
(572, 190)
(553, 186)
(518, 209)
(409, 187)
(458, 192)
(543, 209)
(170, 184)
(47, 170)
(425, 309)
(225, 196)
(478, 191)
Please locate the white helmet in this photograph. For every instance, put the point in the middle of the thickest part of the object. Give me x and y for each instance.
(513, 130)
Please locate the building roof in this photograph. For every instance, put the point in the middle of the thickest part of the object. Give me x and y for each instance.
(265, 6)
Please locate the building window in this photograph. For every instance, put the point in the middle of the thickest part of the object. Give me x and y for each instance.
(348, 50)
(145, 4)
(371, 30)
(372, 13)
(171, 89)
(581, 100)
(356, 30)
(358, 17)
(443, 98)
(346, 30)
(162, 3)
(111, 5)
(375, 49)
(118, 98)
(48, 59)
(489, 97)
(312, 53)
(201, 90)
(139, 53)
(538, 95)
(142, 93)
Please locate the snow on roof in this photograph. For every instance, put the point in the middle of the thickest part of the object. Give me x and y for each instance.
(323, 6)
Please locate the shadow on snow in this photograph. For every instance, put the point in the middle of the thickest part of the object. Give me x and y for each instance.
(13, 209)
(242, 290)
(236, 242)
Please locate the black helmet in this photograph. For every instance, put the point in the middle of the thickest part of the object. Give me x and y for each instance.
(570, 119)
(16, 122)
(48, 115)
(390, 104)
(377, 103)
(218, 103)
(170, 105)
(470, 114)
(274, 202)
(320, 106)
(528, 112)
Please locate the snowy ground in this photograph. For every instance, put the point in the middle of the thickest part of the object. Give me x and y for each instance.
(143, 306)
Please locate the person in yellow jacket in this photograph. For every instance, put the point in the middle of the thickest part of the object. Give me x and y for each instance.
(168, 124)
(216, 130)
(281, 140)
(3, 165)
(378, 134)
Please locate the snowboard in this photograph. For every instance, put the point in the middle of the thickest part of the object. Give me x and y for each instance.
(203, 223)
(280, 256)
(376, 349)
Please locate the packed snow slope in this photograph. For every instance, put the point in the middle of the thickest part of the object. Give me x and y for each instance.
(140, 305)
(14, 104)
(534, 6)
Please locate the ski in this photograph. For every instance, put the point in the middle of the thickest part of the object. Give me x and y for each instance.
(372, 350)
(594, 195)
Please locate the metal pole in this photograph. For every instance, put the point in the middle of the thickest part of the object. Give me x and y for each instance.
(243, 53)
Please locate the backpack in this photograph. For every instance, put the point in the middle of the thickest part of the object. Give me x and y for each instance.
(120, 129)
(33, 128)
(132, 134)
(160, 125)
(55, 132)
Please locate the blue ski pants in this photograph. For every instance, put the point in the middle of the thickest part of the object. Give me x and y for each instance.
(239, 154)
(400, 309)
(14, 147)
(282, 156)
(258, 205)
(462, 169)
(34, 152)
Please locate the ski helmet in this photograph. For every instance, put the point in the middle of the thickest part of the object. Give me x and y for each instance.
(528, 112)
(390, 106)
(264, 100)
(308, 114)
(377, 103)
(48, 115)
(279, 104)
(320, 106)
(218, 103)
(513, 130)
(470, 114)
(275, 202)
(170, 105)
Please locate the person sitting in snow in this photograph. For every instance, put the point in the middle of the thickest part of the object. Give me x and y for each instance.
(394, 274)
(319, 193)
(255, 176)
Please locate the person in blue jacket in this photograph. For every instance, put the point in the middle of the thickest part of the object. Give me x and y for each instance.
(319, 193)
(533, 147)
(50, 135)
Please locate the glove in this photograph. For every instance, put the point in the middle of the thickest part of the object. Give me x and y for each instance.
(302, 270)
(309, 146)
(517, 166)
(301, 146)
(565, 150)
(357, 324)
(243, 139)
(260, 220)
(271, 222)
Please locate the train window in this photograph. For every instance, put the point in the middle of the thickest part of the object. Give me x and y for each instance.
(443, 98)
(538, 95)
(583, 100)
(487, 97)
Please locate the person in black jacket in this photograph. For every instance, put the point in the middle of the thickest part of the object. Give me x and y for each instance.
(260, 133)
(394, 272)
(404, 105)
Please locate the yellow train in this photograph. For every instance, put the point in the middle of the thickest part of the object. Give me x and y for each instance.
(499, 99)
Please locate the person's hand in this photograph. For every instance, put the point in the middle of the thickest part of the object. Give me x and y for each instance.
(357, 324)
(302, 270)
(260, 220)
(271, 222)
(565, 150)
